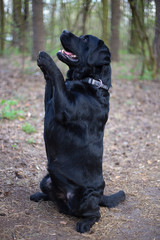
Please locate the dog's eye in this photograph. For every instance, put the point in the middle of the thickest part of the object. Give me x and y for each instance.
(85, 38)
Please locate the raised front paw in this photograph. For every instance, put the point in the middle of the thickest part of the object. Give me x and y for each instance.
(45, 62)
(83, 226)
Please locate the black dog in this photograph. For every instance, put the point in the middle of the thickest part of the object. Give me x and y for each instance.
(75, 115)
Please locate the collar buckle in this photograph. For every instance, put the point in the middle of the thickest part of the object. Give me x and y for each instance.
(98, 83)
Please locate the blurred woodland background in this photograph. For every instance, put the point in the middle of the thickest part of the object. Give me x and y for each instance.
(126, 26)
(131, 156)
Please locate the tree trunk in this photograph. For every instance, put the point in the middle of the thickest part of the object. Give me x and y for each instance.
(26, 15)
(65, 14)
(140, 5)
(38, 28)
(157, 36)
(14, 24)
(105, 21)
(17, 30)
(115, 24)
(24, 28)
(144, 38)
(52, 22)
(134, 39)
(2, 21)
(86, 5)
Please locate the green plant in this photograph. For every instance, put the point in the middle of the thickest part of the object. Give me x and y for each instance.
(10, 110)
(147, 75)
(14, 146)
(126, 76)
(129, 102)
(31, 141)
(9, 102)
(28, 128)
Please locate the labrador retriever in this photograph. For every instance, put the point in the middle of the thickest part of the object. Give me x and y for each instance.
(76, 111)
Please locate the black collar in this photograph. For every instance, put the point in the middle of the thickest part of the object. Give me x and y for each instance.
(98, 83)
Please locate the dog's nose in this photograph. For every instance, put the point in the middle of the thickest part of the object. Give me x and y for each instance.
(65, 32)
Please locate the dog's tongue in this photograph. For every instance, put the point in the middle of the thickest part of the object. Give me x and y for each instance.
(67, 53)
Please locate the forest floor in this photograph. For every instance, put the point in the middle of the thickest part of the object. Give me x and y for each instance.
(130, 162)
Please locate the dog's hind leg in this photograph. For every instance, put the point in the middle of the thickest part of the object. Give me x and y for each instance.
(112, 200)
(38, 196)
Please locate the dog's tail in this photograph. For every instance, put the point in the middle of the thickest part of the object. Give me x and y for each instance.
(112, 200)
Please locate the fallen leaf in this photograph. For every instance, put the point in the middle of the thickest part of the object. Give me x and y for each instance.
(117, 177)
(149, 162)
(19, 174)
(63, 222)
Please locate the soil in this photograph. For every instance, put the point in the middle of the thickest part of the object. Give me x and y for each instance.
(130, 162)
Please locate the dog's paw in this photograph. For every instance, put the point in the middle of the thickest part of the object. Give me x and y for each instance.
(44, 60)
(44, 55)
(38, 196)
(113, 200)
(83, 226)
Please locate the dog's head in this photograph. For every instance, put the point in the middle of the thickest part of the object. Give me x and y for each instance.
(83, 53)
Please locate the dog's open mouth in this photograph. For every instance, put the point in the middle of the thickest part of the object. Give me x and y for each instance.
(71, 56)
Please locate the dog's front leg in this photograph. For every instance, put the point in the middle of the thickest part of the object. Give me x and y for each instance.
(85, 224)
(89, 210)
(55, 85)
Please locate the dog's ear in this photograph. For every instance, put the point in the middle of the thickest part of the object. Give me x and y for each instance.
(100, 56)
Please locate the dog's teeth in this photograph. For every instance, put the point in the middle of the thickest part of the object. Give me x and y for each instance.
(68, 54)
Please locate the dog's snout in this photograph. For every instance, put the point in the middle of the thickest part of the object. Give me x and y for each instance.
(65, 32)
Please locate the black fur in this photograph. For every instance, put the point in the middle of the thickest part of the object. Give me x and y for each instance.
(75, 117)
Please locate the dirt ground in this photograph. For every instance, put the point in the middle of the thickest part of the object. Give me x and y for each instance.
(131, 159)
